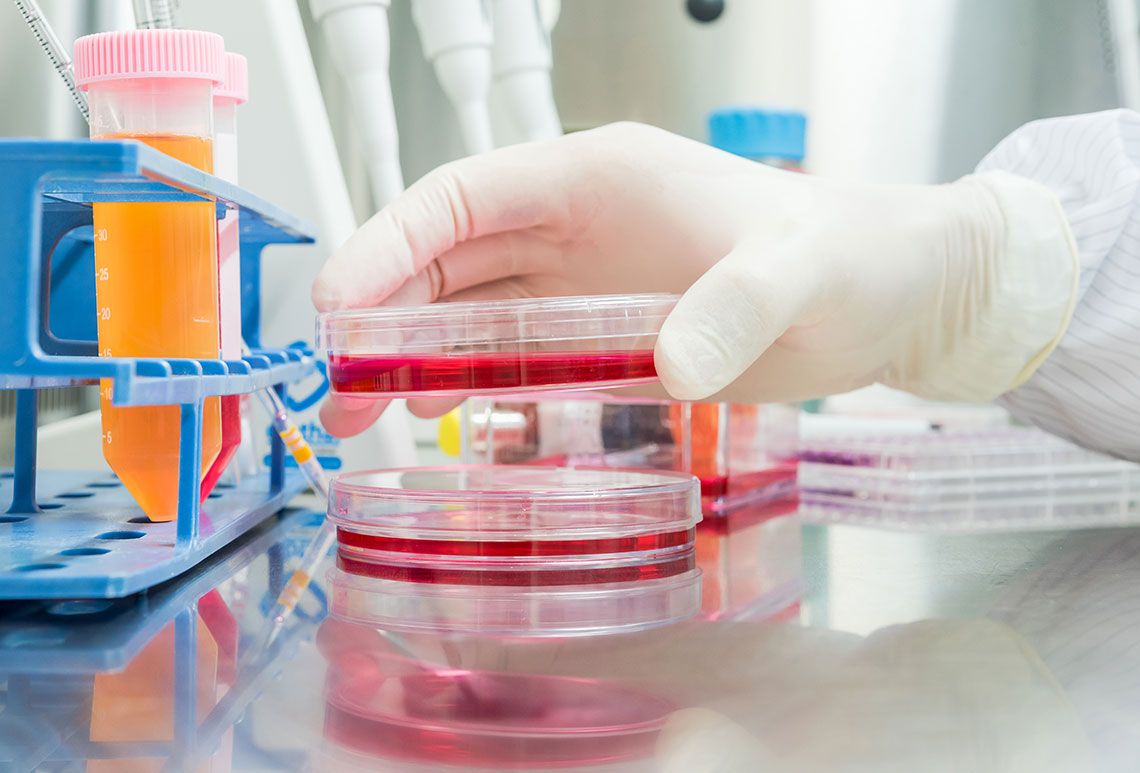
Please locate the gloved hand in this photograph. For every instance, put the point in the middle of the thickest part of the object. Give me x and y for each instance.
(794, 286)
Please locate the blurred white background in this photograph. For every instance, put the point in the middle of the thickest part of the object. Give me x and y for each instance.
(911, 90)
(894, 90)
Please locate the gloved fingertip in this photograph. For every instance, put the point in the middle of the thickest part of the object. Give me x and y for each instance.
(344, 423)
(432, 407)
(687, 364)
(351, 404)
(326, 296)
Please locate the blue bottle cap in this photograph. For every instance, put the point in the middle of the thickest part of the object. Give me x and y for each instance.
(755, 133)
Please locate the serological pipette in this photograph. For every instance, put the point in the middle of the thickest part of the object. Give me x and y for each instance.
(56, 53)
(310, 467)
(302, 576)
(155, 14)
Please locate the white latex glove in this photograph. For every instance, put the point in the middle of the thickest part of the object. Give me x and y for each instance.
(794, 286)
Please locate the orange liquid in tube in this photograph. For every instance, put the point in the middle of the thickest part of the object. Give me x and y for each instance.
(156, 289)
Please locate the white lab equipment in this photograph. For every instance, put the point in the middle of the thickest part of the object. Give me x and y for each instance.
(288, 121)
(456, 36)
(356, 32)
(1122, 25)
(522, 62)
(652, 61)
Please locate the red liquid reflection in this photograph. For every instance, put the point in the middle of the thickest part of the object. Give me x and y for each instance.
(492, 720)
(486, 371)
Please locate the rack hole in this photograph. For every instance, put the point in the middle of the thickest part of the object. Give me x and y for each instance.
(7, 475)
(121, 535)
(80, 607)
(13, 518)
(34, 637)
(140, 519)
(84, 552)
(224, 485)
(75, 495)
(38, 567)
(104, 484)
(214, 495)
(50, 506)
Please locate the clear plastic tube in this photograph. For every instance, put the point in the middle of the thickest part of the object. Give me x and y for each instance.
(156, 273)
(229, 274)
(156, 280)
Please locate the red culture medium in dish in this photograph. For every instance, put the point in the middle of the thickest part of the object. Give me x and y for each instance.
(517, 576)
(518, 548)
(486, 372)
(519, 344)
(522, 526)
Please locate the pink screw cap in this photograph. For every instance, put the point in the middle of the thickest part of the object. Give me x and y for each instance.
(157, 53)
(235, 85)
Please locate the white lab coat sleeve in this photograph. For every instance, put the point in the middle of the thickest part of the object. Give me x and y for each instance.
(1088, 390)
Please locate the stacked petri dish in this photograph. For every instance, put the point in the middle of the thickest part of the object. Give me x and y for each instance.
(518, 550)
(438, 565)
(466, 558)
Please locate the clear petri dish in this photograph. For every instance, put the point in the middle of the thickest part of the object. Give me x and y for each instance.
(533, 612)
(509, 526)
(489, 347)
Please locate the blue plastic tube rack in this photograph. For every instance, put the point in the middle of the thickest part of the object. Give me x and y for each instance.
(82, 546)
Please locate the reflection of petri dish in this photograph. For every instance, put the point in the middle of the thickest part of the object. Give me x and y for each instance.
(497, 525)
(486, 347)
(511, 611)
(461, 717)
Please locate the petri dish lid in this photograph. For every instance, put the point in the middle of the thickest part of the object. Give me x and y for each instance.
(531, 612)
(486, 347)
(548, 512)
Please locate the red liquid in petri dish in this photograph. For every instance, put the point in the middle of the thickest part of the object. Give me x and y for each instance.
(518, 548)
(484, 372)
(520, 577)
